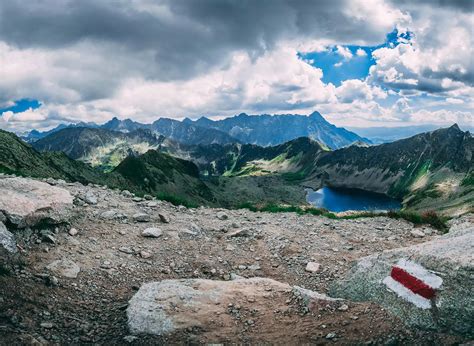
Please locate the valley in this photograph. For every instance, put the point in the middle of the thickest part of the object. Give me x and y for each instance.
(429, 171)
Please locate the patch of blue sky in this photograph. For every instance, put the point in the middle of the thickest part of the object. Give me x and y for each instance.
(21, 106)
(337, 68)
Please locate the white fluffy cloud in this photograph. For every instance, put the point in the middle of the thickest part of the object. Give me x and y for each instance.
(179, 59)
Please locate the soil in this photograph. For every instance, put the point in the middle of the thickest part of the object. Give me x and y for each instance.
(41, 307)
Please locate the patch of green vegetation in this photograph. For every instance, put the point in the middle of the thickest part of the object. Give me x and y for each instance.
(279, 159)
(411, 175)
(176, 200)
(293, 176)
(247, 170)
(424, 218)
(4, 270)
(468, 180)
(427, 217)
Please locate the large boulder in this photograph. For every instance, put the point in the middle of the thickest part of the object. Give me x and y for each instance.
(214, 307)
(428, 285)
(27, 202)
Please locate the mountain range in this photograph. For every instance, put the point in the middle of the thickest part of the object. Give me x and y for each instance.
(262, 130)
(432, 170)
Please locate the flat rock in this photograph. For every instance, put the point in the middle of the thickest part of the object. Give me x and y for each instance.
(65, 268)
(35, 202)
(141, 217)
(245, 232)
(165, 307)
(152, 232)
(428, 285)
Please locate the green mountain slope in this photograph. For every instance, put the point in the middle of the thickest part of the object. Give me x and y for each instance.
(99, 147)
(426, 170)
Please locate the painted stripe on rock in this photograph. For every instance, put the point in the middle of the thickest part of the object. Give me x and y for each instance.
(412, 283)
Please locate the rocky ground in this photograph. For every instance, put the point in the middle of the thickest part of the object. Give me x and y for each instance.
(71, 283)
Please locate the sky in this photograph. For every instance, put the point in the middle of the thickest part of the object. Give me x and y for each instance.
(360, 63)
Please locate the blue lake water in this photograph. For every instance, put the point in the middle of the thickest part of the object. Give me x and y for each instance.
(340, 199)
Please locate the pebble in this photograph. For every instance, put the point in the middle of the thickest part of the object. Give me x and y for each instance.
(73, 232)
(417, 233)
(164, 218)
(145, 254)
(312, 267)
(222, 216)
(46, 325)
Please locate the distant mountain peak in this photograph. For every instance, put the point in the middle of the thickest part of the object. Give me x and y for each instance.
(316, 115)
(455, 127)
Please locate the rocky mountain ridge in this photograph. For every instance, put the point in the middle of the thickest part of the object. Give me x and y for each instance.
(262, 130)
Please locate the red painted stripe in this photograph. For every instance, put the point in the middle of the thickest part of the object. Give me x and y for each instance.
(412, 283)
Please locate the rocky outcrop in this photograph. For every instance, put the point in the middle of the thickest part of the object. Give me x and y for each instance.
(27, 202)
(169, 306)
(7, 239)
(428, 285)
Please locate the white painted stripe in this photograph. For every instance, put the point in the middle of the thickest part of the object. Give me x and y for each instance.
(406, 294)
(421, 273)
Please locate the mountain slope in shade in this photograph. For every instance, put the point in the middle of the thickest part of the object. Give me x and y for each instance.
(162, 175)
(268, 130)
(249, 159)
(99, 147)
(155, 173)
(429, 170)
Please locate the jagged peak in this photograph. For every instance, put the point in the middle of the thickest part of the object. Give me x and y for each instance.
(316, 115)
(455, 126)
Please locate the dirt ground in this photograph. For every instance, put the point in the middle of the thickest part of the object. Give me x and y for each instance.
(38, 306)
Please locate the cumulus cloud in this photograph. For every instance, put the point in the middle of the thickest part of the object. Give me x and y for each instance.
(344, 52)
(91, 60)
(438, 60)
(354, 89)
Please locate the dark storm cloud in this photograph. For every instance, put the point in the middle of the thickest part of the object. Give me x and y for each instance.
(464, 5)
(188, 38)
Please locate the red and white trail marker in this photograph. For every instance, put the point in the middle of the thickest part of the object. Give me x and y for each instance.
(413, 283)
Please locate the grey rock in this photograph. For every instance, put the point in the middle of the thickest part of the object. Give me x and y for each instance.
(222, 216)
(417, 233)
(152, 232)
(65, 268)
(90, 198)
(447, 261)
(164, 218)
(126, 193)
(35, 202)
(169, 306)
(245, 232)
(72, 232)
(141, 217)
(126, 250)
(7, 239)
(312, 267)
(46, 325)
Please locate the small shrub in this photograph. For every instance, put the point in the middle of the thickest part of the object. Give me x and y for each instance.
(176, 200)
